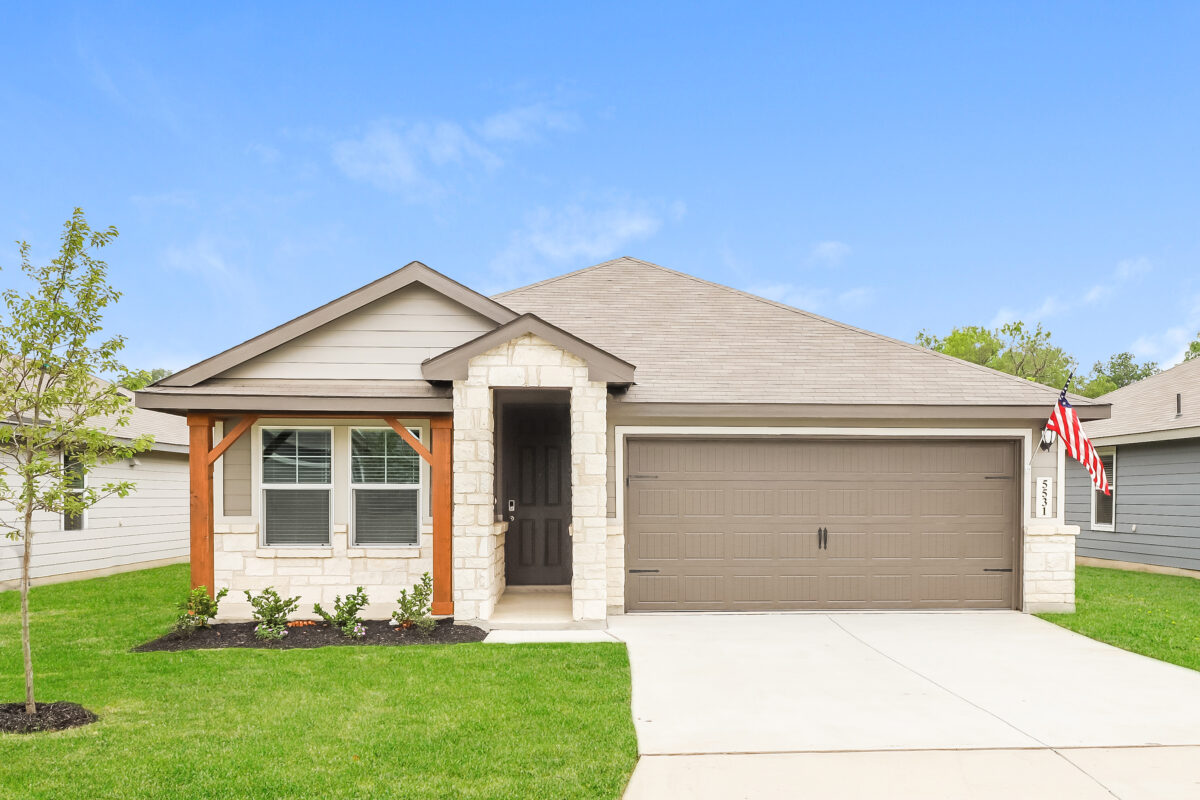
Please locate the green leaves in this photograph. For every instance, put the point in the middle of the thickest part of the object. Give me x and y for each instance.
(1031, 354)
(51, 347)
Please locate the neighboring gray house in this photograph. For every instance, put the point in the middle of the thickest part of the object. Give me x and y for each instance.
(148, 528)
(1151, 450)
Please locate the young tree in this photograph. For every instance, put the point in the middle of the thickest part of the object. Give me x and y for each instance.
(55, 417)
(143, 378)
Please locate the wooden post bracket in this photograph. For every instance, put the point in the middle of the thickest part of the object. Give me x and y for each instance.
(412, 441)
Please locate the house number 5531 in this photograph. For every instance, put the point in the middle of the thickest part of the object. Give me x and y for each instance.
(1043, 501)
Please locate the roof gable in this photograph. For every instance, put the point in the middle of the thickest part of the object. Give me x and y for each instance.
(602, 366)
(699, 342)
(410, 275)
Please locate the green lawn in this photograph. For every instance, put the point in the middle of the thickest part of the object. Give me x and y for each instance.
(462, 721)
(1155, 615)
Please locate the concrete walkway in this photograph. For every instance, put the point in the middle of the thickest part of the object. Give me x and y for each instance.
(898, 705)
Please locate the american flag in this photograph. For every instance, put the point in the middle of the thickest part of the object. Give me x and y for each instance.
(1065, 422)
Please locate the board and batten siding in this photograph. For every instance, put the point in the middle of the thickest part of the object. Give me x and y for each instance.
(385, 340)
(150, 525)
(1158, 490)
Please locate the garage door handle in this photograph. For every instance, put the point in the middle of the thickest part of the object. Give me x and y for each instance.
(822, 538)
(1007, 569)
(639, 571)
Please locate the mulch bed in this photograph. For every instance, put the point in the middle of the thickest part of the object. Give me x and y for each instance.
(379, 632)
(48, 717)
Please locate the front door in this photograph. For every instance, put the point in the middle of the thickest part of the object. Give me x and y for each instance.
(537, 494)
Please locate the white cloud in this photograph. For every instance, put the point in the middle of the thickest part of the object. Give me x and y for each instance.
(1169, 345)
(420, 159)
(578, 235)
(526, 124)
(204, 258)
(829, 253)
(1132, 268)
(405, 157)
(1052, 305)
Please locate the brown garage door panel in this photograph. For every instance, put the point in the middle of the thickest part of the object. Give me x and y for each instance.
(732, 524)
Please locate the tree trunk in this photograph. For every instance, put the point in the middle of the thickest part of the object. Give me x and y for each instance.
(30, 706)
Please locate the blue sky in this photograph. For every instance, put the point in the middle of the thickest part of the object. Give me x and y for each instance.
(897, 167)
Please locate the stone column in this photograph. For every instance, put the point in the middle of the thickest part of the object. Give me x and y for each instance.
(1049, 567)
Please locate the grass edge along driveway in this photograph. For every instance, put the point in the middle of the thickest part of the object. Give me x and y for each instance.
(1155, 615)
(469, 720)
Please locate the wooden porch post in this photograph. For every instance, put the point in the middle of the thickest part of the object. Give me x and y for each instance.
(442, 445)
(200, 440)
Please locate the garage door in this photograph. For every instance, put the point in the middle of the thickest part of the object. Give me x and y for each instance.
(759, 524)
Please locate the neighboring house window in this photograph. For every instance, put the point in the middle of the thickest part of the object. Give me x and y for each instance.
(76, 480)
(1104, 507)
(385, 480)
(297, 477)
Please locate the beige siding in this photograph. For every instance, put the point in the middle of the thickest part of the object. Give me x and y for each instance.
(235, 476)
(151, 524)
(385, 340)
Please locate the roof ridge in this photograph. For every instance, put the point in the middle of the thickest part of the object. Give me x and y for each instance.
(833, 322)
(571, 274)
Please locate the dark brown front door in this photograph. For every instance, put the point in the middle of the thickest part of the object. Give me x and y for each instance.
(537, 494)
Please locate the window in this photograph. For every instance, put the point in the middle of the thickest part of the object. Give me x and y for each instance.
(385, 479)
(1104, 507)
(297, 477)
(76, 480)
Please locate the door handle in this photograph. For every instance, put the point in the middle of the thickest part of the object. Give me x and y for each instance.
(820, 538)
(824, 538)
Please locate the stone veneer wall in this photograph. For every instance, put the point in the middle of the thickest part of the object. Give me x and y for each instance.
(1049, 567)
(527, 361)
(315, 574)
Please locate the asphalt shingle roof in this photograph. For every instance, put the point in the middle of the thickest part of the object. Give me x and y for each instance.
(1149, 404)
(696, 341)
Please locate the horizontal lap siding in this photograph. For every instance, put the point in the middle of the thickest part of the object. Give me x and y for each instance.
(149, 524)
(385, 340)
(1158, 490)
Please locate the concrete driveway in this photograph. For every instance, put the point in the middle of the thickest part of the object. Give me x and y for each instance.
(898, 705)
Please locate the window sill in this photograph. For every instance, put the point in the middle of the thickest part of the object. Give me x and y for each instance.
(399, 551)
(294, 552)
(1107, 527)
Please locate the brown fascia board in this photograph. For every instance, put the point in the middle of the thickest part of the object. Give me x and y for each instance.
(630, 410)
(602, 365)
(415, 272)
(264, 404)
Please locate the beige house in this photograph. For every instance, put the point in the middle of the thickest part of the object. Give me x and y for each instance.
(626, 438)
(148, 528)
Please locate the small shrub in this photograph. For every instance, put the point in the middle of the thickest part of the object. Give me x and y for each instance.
(197, 610)
(345, 613)
(414, 608)
(272, 612)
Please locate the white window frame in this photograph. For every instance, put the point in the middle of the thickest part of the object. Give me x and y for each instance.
(354, 487)
(265, 487)
(83, 515)
(1112, 482)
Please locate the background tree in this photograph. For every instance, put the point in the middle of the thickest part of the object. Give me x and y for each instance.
(1120, 370)
(143, 378)
(1193, 350)
(1011, 348)
(50, 403)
